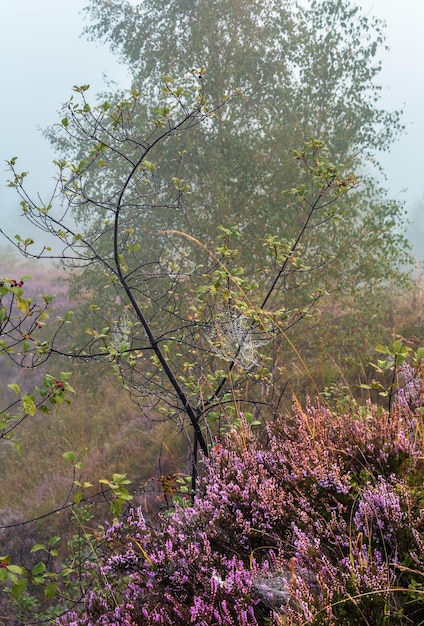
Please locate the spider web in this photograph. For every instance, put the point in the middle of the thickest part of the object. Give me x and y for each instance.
(121, 331)
(233, 339)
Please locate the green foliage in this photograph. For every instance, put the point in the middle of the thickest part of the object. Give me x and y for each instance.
(299, 70)
(120, 493)
(15, 579)
(43, 590)
(390, 368)
(293, 71)
(21, 321)
(192, 319)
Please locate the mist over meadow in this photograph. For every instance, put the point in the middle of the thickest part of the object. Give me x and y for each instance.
(212, 316)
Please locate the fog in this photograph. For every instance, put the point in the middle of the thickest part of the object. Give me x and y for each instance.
(43, 56)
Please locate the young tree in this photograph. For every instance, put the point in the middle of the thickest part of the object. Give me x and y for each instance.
(184, 334)
(302, 69)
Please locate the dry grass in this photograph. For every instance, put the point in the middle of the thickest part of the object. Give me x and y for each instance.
(105, 430)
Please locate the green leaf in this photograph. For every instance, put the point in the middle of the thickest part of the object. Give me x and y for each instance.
(77, 497)
(66, 571)
(18, 588)
(3, 575)
(121, 479)
(115, 507)
(50, 590)
(38, 546)
(69, 456)
(15, 569)
(80, 88)
(398, 346)
(15, 387)
(38, 569)
(29, 405)
(53, 540)
(18, 291)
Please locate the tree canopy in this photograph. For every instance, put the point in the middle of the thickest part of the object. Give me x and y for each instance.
(299, 70)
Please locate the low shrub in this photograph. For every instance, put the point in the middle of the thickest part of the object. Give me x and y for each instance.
(322, 523)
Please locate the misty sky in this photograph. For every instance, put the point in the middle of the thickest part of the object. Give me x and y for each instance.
(43, 56)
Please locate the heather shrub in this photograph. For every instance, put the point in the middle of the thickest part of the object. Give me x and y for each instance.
(321, 523)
